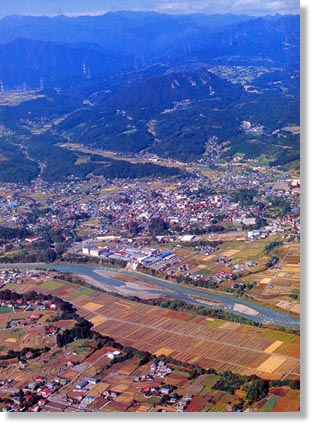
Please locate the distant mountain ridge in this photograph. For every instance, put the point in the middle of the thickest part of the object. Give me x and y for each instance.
(33, 60)
(107, 29)
(125, 40)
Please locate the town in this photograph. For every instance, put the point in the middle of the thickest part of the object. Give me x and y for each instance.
(252, 202)
(221, 231)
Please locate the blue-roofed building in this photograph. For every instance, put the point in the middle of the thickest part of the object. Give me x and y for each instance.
(165, 254)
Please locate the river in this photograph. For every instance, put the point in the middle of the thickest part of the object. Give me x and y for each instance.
(185, 293)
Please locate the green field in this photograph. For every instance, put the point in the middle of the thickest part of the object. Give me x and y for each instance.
(268, 406)
(219, 407)
(85, 291)
(4, 310)
(11, 286)
(208, 384)
(250, 251)
(34, 366)
(180, 372)
(204, 272)
(277, 336)
(81, 291)
(215, 323)
(52, 284)
(77, 343)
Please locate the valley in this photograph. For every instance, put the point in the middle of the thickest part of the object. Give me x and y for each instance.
(150, 213)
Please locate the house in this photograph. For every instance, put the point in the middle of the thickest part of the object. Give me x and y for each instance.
(187, 238)
(113, 355)
(254, 234)
(96, 251)
(35, 316)
(22, 364)
(87, 248)
(32, 385)
(53, 307)
(32, 239)
(87, 400)
(59, 380)
(46, 392)
(41, 402)
(28, 398)
(249, 221)
(93, 381)
(34, 408)
(188, 397)
(50, 385)
(82, 384)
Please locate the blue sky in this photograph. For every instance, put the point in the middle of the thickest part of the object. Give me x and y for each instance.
(98, 7)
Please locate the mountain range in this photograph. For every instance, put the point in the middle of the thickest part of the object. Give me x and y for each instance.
(62, 47)
(179, 86)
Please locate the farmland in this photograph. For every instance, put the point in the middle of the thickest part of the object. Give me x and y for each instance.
(280, 285)
(277, 286)
(192, 356)
(187, 337)
(16, 97)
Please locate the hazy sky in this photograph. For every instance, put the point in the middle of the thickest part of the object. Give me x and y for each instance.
(98, 7)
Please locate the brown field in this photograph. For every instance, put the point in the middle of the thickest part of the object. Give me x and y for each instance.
(293, 259)
(273, 347)
(289, 349)
(65, 323)
(285, 404)
(97, 389)
(4, 317)
(184, 336)
(163, 351)
(231, 326)
(18, 338)
(97, 320)
(231, 252)
(237, 250)
(92, 306)
(272, 364)
(266, 280)
(179, 315)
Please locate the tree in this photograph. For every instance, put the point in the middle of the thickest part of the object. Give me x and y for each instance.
(133, 228)
(158, 226)
(164, 399)
(258, 389)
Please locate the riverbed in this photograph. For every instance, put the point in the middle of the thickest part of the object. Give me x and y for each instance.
(114, 280)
